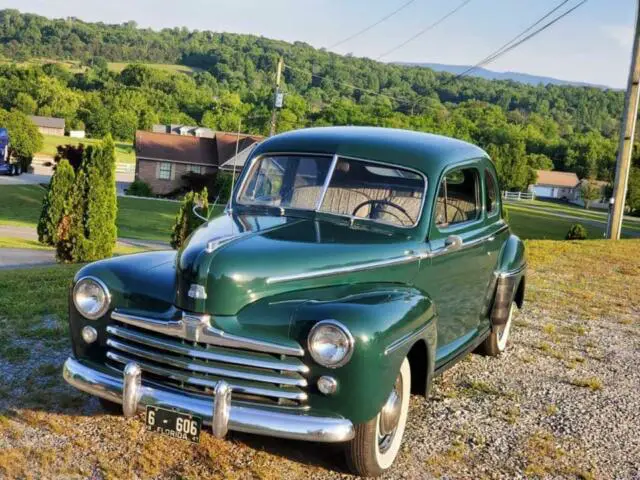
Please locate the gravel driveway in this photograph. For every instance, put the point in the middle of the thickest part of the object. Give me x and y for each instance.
(563, 402)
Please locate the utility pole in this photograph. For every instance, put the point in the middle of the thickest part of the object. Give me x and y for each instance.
(627, 133)
(277, 99)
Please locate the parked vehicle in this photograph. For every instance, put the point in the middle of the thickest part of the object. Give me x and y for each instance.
(351, 266)
(6, 167)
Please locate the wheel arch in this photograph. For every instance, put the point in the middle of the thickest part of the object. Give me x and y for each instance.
(422, 363)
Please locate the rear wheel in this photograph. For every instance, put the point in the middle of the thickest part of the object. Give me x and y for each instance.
(376, 443)
(496, 342)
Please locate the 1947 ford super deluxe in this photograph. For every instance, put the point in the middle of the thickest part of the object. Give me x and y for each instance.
(350, 266)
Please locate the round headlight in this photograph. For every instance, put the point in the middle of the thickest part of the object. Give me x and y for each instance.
(91, 297)
(330, 343)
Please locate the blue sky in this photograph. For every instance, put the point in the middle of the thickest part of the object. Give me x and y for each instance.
(591, 45)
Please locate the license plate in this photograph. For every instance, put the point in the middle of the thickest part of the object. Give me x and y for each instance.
(174, 424)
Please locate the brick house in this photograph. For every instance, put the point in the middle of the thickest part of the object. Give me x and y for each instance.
(49, 125)
(163, 158)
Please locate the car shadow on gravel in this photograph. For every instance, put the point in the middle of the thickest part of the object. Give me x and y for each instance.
(324, 455)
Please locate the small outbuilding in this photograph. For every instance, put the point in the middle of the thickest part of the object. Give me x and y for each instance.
(49, 125)
(560, 185)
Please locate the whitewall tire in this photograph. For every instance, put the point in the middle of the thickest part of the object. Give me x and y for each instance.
(496, 342)
(376, 443)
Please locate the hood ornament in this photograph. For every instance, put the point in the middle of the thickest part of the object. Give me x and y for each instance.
(217, 242)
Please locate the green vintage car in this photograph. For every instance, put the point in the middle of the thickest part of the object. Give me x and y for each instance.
(351, 266)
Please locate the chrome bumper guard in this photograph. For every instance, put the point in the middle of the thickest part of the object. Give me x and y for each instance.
(220, 412)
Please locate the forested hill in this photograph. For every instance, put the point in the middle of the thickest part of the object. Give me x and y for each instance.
(521, 126)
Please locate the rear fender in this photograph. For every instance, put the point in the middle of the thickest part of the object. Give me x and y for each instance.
(509, 280)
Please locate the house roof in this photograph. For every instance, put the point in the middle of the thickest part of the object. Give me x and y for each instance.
(176, 148)
(190, 149)
(556, 179)
(47, 122)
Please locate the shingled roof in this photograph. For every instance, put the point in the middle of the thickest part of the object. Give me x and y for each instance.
(189, 149)
(556, 179)
(176, 148)
(47, 122)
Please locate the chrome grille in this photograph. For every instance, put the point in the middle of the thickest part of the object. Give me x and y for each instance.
(196, 366)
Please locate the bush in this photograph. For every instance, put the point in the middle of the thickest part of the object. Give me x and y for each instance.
(54, 202)
(223, 187)
(505, 214)
(186, 220)
(140, 189)
(576, 232)
(87, 230)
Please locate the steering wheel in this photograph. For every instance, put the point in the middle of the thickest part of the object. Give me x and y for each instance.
(383, 202)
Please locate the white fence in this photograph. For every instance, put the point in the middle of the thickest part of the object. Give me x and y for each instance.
(518, 195)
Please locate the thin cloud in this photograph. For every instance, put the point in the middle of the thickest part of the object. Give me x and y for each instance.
(621, 34)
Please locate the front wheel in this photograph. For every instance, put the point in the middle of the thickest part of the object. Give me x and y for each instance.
(376, 443)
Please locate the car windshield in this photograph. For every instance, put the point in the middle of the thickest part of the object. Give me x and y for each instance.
(357, 189)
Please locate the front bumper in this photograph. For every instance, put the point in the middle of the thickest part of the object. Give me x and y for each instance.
(221, 413)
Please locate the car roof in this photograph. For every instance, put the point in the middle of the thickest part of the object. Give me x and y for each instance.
(425, 152)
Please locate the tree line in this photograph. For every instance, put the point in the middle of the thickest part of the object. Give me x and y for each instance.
(522, 127)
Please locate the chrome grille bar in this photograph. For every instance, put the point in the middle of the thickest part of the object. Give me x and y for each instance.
(236, 357)
(289, 393)
(197, 328)
(208, 368)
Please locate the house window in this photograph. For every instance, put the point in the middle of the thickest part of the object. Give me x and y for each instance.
(458, 199)
(195, 169)
(164, 172)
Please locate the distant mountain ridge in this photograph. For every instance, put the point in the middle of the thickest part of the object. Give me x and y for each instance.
(527, 78)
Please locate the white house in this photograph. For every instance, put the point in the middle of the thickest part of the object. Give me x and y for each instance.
(560, 185)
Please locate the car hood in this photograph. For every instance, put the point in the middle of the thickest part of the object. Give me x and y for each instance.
(240, 259)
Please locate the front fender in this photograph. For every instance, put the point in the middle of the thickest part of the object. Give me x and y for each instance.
(385, 321)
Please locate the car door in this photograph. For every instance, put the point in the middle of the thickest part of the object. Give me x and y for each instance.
(457, 274)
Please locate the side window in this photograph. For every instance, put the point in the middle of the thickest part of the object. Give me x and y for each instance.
(458, 199)
(491, 194)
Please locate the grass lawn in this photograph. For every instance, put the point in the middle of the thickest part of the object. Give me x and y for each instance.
(173, 68)
(124, 151)
(138, 218)
(574, 210)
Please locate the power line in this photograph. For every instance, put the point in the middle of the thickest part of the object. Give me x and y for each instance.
(373, 25)
(426, 29)
(510, 45)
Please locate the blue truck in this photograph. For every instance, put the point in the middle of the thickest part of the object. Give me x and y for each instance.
(6, 167)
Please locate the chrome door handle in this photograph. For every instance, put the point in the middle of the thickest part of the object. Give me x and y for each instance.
(453, 242)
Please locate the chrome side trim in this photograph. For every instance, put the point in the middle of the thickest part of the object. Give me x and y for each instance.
(512, 273)
(348, 269)
(409, 337)
(470, 244)
(235, 358)
(207, 368)
(288, 393)
(263, 421)
(197, 328)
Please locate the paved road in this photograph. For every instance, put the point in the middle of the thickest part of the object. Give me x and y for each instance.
(42, 174)
(25, 257)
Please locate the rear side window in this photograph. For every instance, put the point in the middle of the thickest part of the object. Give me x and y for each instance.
(491, 194)
(458, 199)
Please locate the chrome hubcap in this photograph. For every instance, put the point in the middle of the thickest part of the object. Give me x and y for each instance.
(389, 416)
